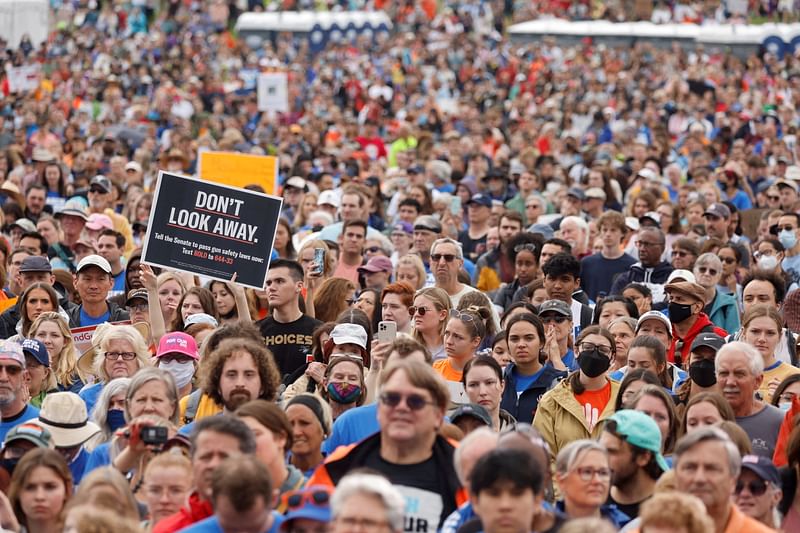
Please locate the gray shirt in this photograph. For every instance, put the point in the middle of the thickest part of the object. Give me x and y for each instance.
(762, 428)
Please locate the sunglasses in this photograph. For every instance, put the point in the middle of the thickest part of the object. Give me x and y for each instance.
(772, 198)
(704, 270)
(449, 258)
(522, 247)
(373, 249)
(413, 310)
(464, 317)
(558, 319)
(728, 260)
(679, 253)
(11, 370)
(297, 499)
(415, 402)
(756, 488)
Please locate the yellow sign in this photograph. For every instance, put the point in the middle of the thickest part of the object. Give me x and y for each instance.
(239, 170)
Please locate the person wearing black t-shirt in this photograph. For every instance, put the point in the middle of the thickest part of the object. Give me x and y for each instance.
(408, 450)
(287, 331)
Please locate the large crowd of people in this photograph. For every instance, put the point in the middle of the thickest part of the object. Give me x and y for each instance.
(513, 287)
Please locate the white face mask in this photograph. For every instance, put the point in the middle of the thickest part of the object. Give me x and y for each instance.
(767, 262)
(182, 372)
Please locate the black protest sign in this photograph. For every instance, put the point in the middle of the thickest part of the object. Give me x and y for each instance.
(211, 229)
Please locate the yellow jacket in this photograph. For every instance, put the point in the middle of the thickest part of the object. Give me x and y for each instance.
(206, 407)
(560, 418)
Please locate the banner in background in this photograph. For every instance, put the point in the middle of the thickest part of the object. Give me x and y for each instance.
(239, 170)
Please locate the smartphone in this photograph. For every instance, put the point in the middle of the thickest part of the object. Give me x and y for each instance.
(387, 331)
(319, 261)
(455, 206)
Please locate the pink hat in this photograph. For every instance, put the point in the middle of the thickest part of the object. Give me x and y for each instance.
(177, 342)
(98, 221)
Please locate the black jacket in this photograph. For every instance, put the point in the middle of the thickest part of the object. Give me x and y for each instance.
(639, 274)
(523, 407)
(11, 317)
(116, 314)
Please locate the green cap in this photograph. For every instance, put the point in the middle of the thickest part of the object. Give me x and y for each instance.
(638, 429)
(32, 433)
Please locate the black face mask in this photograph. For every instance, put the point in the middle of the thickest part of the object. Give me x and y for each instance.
(702, 372)
(593, 363)
(9, 465)
(679, 312)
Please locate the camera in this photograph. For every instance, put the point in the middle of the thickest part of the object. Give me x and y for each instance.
(153, 435)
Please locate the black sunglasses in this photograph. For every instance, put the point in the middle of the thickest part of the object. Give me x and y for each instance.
(449, 258)
(756, 487)
(415, 402)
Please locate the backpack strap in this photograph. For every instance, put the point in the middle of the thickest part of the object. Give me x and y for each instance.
(191, 406)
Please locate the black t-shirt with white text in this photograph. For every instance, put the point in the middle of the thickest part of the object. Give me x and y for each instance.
(290, 343)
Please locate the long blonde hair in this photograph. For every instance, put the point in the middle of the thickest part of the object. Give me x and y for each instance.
(441, 301)
(64, 365)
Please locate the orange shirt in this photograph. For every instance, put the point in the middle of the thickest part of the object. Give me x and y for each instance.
(446, 370)
(594, 402)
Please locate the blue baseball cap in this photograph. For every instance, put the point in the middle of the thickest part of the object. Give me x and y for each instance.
(36, 349)
(480, 199)
(310, 503)
(638, 429)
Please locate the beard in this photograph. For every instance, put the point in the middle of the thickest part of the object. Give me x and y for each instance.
(237, 399)
(7, 397)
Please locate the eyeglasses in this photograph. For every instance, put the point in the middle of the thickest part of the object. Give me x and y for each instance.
(772, 198)
(756, 488)
(352, 523)
(297, 499)
(373, 249)
(413, 310)
(138, 307)
(558, 319)
(415, 402)
(590, 347)
(679, 253)
(587, 473)
(710, 271)
(125, 356)
(644, 243)
(11, 370)
(96, 190)
(727, 260)
(449, 258)
(758, 255)
(527, 246)
(464, 317)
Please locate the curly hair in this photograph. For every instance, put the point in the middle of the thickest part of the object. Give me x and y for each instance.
(267, 370)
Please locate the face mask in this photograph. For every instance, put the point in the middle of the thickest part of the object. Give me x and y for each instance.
(788, 238)
(679, 312)
(702, 372)
(593, 363)
(344, 393)
(9, 465)
(115, 419)
(785, 406)
(182, 372)
(767, 262)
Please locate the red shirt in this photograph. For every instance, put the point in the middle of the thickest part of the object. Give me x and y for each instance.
(194, 511)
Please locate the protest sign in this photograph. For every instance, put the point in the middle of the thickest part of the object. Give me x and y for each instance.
(273, 92)
(24, 78)
(211, 229)
(82, 337)
(239, 170)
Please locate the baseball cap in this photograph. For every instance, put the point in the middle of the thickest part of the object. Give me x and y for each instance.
(94, 260)
(310, 503)
(638, 429)
(200, 318)
(718, 210)
(708, 339)
(475, 411)
(681, 274)
(36, 349)
(786, 183)
(296, 182)
(177, 342)
(379, 263)
(24, 224)
(480, 199)
(594, 192)
(576, 192)
(654, 315)
(555, 306)
(11, 351)
(403, 227)
(647, 173)
(101, 182)
(33, 433)
(545, 230)
(414, 169)
(133, 165)
(650, 215)
(692, 290)
(763, 468)
(349, 334)
(136, 294)
(517, 168)
(427, 222)
(35, 263)
(328, 198)
(98, 221)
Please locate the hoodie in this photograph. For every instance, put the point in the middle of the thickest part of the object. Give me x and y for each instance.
(654, 278)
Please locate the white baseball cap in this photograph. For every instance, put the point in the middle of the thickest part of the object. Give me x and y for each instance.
(94, 260)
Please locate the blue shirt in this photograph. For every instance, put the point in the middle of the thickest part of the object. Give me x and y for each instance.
(87, 320)
(522, 383)
(89, 395)
(100, 456)
(29, 413)
(353, 426)
(78, 466)
(211, 525)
